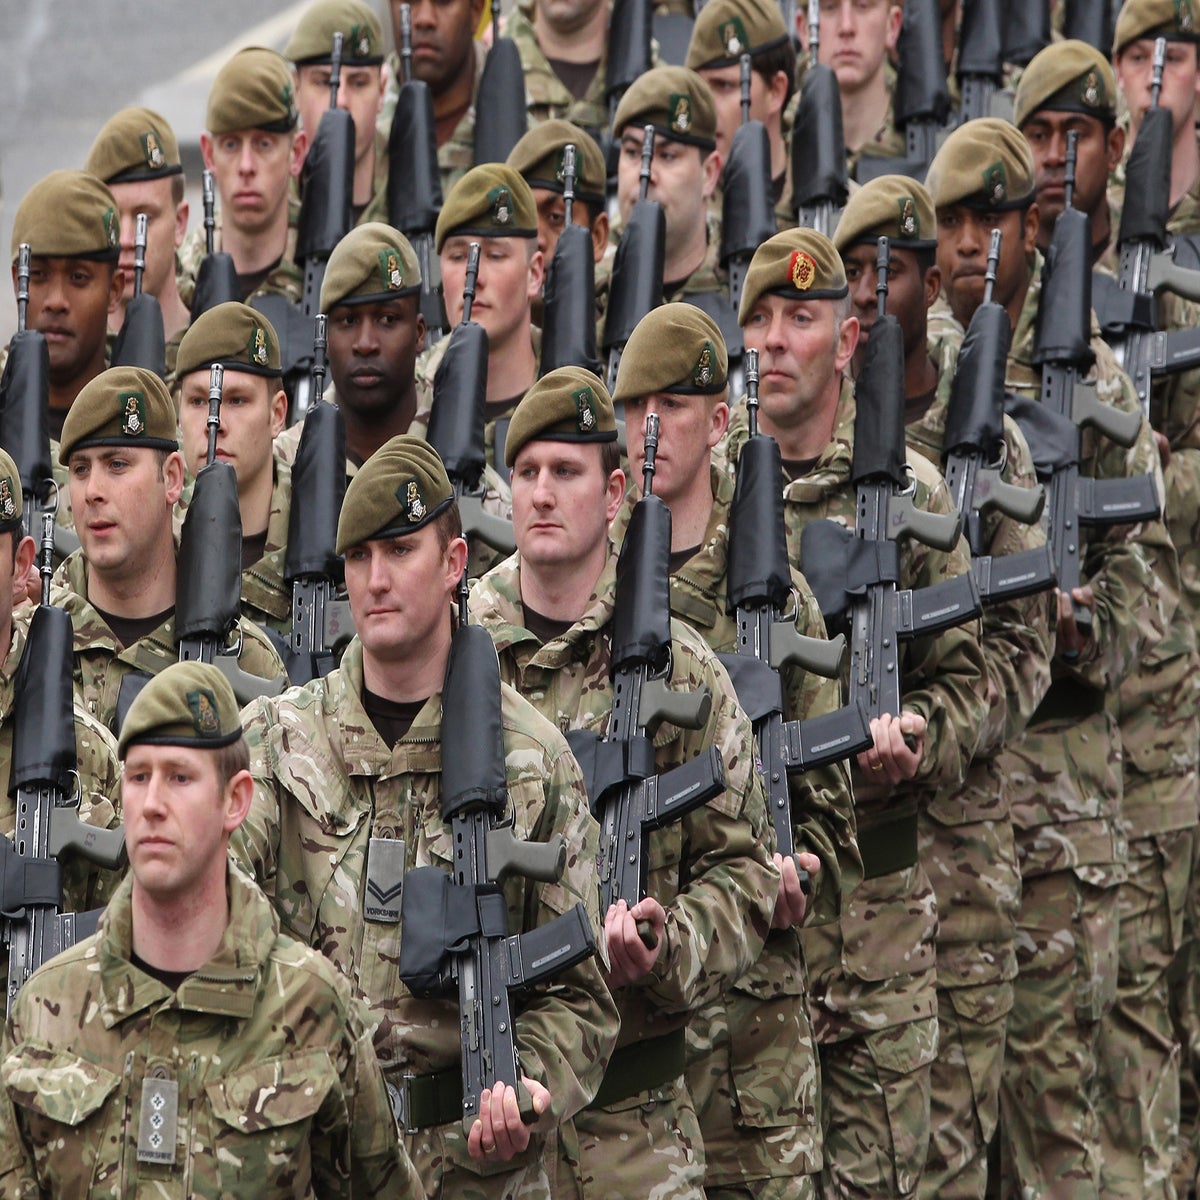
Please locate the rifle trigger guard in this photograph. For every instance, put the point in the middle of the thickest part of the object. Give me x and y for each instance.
(910, 488)
(74, 797)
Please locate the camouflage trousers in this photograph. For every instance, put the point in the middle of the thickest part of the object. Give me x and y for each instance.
(645, 1145)
(1138, 1096)
(875, 1111)
(1066, 982)
(439, 1155)
(798, 1187)
(1183, 988)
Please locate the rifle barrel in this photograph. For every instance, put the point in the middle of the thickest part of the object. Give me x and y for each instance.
(814, 33)
(1069, 178)
(745, 84)
(1156, 77)
(216, 380)
(750, 368)
(569, 183)
(46, 550)
(993, 265)
(405, 43)
(882, 258)
(210, 222)
(647, 159)
(651, 448)
(24, 259)
(335, 69)
(320, 359)
(469, 281)
(139, 252)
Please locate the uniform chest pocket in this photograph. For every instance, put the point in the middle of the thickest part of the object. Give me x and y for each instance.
(263, 1123)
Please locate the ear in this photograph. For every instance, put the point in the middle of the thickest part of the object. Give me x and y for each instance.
(421, 332)
(847, 343)
(719, 421)
(298, 151)
(776, 90)
(933, 285)
(711, 167)
(206, 149)
(537, 273)
(173, 473)
(22, 561)
(614, 494)
(1116, 143)
(116, 288)
(239, 792)
(182, 212)
(456, 563)
(279, 406)
(895, 19)
(600, 231)
(1033, 220)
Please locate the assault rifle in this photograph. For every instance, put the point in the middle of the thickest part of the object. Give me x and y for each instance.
(1026, 30)
(216, 277)
(627, 796)
(628, 59)
(47, 826)
(1091, 21)
(312, 567)
(500, 120)
(980, 59)
(1062, 349)
(141, 342)
(857, 575)
(973, 453)
(819, 186)
(760, 588)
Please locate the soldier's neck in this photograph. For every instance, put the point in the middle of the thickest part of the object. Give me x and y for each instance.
(363, 438)
(803, 432)
(450, 105)
(254, 502)
(181, 932)
(512, 367)
(578, 41)
(256, 250)
(864, 111)
(416, 676)
(1185, 166)
(151, 590)
(684, 257)
(364, 178)
(562, 591)
(920, 372)
(62, 393)
(690, 513)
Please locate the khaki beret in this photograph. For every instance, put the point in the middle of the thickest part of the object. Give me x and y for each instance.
(891, 206)
(1068, 76)
(10, 494)
(373, 262)
(538, 156)
(69, 214)
(398, 490)
(135, 144)
(253, 90)
(676, 101)
(123, 406)
(984, 164)
(800, 264)
(235, 336)
(490, 200)
(186, 704)
(362, 34)
(568, 404)
(727, 29)
(1176, 20)
(674, 348)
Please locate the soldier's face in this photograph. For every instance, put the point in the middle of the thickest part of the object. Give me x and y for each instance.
(373, 352)
(69, 303)
(165, 230)
(856, 37)
(766, 101)
(510, 276)
(1180, 86)
(253, 170)
(442, 36)
(563, 503)
(400, 590)
(178, 819)
(910, 293)
(360, 93)
(963, 238)
(689, 427)
(251, 416)
(552, 219)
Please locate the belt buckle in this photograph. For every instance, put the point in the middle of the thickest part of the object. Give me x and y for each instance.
(401, 1103)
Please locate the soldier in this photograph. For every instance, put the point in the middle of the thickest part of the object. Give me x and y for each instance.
(1066, 783)
(347, 797)
(137, 156)
(253, 409)
(872, 972)
(254, 150)
(711, 886)
(966, 840)
(126, 475)
(71, 223)
(310, 51)
(755, 1083)
(248, 1059)
(446, 56)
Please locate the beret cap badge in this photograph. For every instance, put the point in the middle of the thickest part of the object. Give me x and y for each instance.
(681, 112)
(204, 712)
(8, 506)
(133, 419)
(802, 270)
(413, 501)
(585, 409)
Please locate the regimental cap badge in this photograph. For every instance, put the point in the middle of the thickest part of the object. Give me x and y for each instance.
(802, 270)
(501, 202)
(133, 413)
(560, 166)
(8, 505)
(702, 373)
(112, 227)
(288, 95)
(733, 37)
(360, 39)
(258, 350)
(204, 713)
(585, 409)
(1183, 15)
(1091, 91)
(680, 104)
(909, 225)
(413, 502)
(389, 269)
(152, 151)
(995, 183)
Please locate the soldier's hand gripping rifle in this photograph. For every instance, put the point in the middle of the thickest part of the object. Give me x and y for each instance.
(973, 454)
(455, 926)
(568, 295)
(458, 420)
(24, 409)
(1062, 349)
(626, 795)
(760, 592)
(414, 184)
(1127, 308)
(500, 120)
(312, 567)
(141, 342)
(45, 787)
(216, 277)
(819, 186)
(637, 274)
(980, 59)
(856, 576)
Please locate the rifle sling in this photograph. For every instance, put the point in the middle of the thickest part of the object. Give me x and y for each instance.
(641, 1066)
(435, 1099)
(888, 845)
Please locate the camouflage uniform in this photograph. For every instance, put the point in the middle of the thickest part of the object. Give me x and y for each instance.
(326, 784)
(967, 846)
(279, 1093)
(755, 1081)
(872, 972)
(1065, 776)
(101, 662)
(711, 872)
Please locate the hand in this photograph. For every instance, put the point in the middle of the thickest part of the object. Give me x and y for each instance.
(1071, 639)
(629, 957)
(891, 760)
(498, 1132)
(1164, 448)
(791, 903)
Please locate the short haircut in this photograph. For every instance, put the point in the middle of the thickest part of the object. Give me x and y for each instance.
(448, 524)
(610, 457)
(781, 58)
(231, 759)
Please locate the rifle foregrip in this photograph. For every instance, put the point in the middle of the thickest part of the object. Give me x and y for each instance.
(939, 530)
(509, 855)
(1115, 423)
(1020, 503)
(688, 710)
(70, 835)
(489, 528)
(821, 656)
